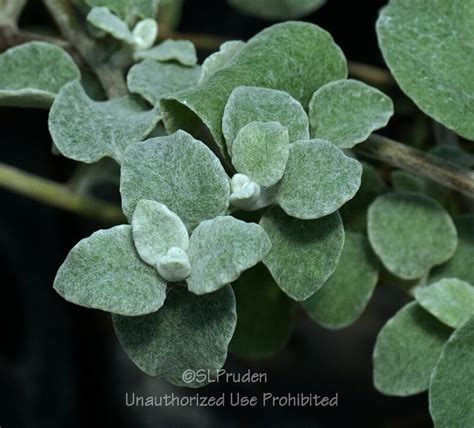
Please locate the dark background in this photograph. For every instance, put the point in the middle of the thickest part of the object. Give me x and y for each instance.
(61, 365)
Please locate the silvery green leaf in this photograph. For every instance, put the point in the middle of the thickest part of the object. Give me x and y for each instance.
(261, 152)
(103, 19)
(153, 80)
(428, 50)
(274, 10)
(354, 212)
(181, 51)
(179, 172)
(451, 389)
(33, 73)
(302, 57)
(221, 249)
(189, 334)
(410, 233)
(318, 180)
(450, 300)
(86, 130)
(346, 112)
(105, 272)
(221, 58)
(248, 104)
(155, 230)
(145, 33)
(304, 253)
(129, 10)
(344, 296)
(461, 265)
(264, 315)
(406, 351)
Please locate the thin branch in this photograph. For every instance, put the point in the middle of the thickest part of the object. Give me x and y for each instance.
(57, 195)
(374, 75)
(424, 164)
(10, 11)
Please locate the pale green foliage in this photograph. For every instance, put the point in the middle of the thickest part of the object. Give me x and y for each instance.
(249, 104)
(301, 56)
(219, 59)
(261, 152)
(264, 315)
(461, 265)
(277, 9)
(180, 51)
(129, 10)
(319, 179)
(450, 300)
(32, 74)
(406, 351)
(145, 34)
(179, 172)
(346, 112)
(189, 333)
(155, 230)
(105, 272)
(103, 19)
(410, 233)
(304, 253)
(451, 388)
(174, 266)
(344, 296)
(153, 80)
(429, 52)
(87, 130)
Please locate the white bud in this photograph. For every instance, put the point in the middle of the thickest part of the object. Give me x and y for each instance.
(145, 34)
(175, 265)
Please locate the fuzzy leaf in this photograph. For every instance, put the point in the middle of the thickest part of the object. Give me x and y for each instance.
(450, 300)
(103, 19)
(264, 315)
(304, 254)
(318, 180)
(346, 112)
(128, 9)
(33, 73)
(302, 57)
(145, 34)
(249, 104)
(221, 249)
(407, 350)
(87, 130)
(461, 265)
(274, 10)
(410, 233)
(344, 296)
(105, 272)
(451, 388)
(189, 333)
(261, 152)
(178, 171)
(181, 51)
(429, 52)
(153, 80)
(156, 229)
(221, 58)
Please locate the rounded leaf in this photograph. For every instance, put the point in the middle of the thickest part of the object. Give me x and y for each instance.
(304, 254)
(407, 350)
(428, 51)
(261, 152)
(221, 249)
(105, 272)
(155, 230)
(274, 10)
(219, 59)
(128, 10)
(346, 112)
(190, 333)
(103, 19)
(318, 180)
(344, 296)
(410, 233)
(145, 33)
(179, 172)
(180, 51)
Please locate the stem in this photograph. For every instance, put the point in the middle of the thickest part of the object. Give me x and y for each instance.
(10, 11)
(420, 163)
(57, 195)
(374, 75)
(93, 53)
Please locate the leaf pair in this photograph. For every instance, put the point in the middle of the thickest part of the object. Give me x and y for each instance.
(217, 252)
